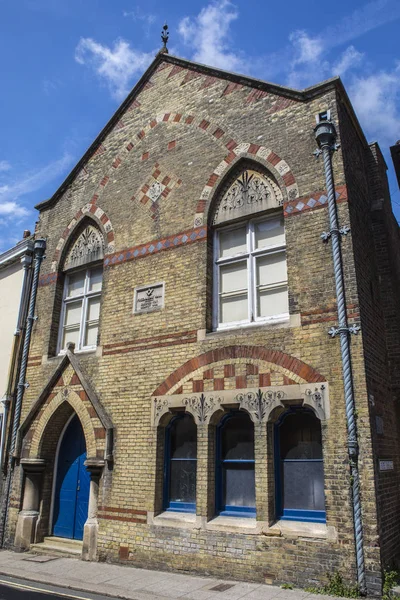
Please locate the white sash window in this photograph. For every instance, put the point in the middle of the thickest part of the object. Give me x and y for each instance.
(250, 273)
(81, 309)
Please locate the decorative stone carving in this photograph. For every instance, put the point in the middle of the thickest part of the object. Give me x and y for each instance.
(260, 404)
(250, 193)
(155, 191)
(161, 407)
(88, 247)
(201, 407)
(315, 398)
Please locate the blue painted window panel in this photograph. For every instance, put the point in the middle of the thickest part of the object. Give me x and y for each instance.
(303, 484)
(72, 484)
(235, 466)
(299, 467)
(180, 465)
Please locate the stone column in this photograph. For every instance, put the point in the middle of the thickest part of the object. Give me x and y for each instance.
(25, 533)
(261, 470)
(89, 548)
(205, 486)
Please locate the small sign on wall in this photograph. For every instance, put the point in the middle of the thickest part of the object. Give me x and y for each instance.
(148, 298)
(386, 465)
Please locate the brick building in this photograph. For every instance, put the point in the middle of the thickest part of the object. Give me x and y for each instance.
(181, 360)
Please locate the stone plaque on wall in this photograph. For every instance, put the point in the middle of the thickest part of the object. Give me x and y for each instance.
(386, 465)
(148, 298)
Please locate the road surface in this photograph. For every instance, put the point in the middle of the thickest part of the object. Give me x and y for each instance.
(20, 589)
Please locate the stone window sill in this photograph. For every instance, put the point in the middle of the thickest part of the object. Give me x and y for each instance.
(235, 525)
(301, 529)
(171, 518)
(242, 525)
(291, 321)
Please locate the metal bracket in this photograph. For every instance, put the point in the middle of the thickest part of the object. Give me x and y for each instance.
(333, 148)
(24, 385)
(35, 318)
(334, 331)
(325, 235)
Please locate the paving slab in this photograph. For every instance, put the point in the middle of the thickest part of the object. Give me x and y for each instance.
(133, 583)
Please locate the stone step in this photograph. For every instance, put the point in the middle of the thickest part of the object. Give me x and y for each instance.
(56, 546)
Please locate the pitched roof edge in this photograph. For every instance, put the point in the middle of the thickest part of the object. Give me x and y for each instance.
(300, 95)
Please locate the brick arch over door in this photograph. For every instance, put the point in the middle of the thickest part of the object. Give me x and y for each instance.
(229, 353)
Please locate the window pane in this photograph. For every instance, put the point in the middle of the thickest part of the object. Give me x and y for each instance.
(300, 436)
(272, 302)
(234, 309)
(183, 438)
(91, 335)
(232, 242)
(183, 481)
(93, 309)
(271, 268)
(76, 283)
(96, 277)
(303, 485)
(269, 233)
(70, 335)
(233, 277)
(238, 438)
(73, 311)
(239, 485)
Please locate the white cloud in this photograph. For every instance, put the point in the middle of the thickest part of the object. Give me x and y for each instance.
(307, 49)
(147, 19)
(12, 209)
(350, 59)
(376, 99)
(116, 66)
(4, 165)
(362, 20)
(208, 35)
(11, 192)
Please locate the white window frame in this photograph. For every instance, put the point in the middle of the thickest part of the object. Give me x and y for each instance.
(85, 297)
(250, 255)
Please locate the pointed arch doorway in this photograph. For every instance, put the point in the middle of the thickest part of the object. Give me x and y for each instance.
(71, 495)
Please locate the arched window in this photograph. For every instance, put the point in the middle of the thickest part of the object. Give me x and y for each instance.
(235, 466)
(250, 275)
(180, 465)
(83, 274)
(299, 467)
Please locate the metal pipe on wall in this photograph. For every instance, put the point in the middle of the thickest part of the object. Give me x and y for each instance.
(38, 251)
(26, 262)
(325, 134)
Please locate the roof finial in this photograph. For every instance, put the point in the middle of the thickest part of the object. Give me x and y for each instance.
(165, 37)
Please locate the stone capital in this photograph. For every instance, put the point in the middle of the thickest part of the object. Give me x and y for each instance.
(33, 465)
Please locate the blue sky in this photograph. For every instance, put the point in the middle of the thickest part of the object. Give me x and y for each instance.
(67, 64)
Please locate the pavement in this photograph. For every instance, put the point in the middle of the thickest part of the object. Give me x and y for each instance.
(120, 581)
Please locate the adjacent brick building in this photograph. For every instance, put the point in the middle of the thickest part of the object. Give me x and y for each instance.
(185, 262)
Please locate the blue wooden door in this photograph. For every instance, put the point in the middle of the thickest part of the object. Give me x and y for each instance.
(72, 486)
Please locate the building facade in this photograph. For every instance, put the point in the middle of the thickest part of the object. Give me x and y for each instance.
(15, 276)
(181, 358)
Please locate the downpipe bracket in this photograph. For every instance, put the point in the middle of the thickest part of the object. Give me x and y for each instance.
(332, 147)
(326, 235)
(353, 329)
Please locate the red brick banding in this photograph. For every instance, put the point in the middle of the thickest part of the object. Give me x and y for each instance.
(277, 357)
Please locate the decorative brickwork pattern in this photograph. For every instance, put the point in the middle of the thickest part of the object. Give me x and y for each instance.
(318, 200)
(174, 241)
(294, 367)
(157, 187)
